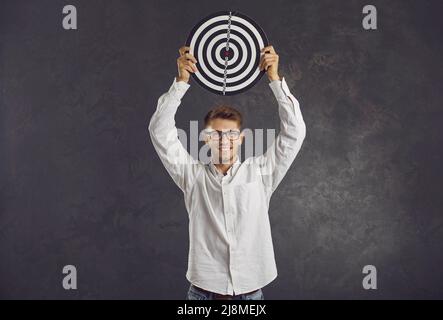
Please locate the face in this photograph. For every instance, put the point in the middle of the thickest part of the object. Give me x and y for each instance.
(225, 148)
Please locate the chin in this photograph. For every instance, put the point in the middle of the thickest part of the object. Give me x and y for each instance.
(228, 159)
(224, 159)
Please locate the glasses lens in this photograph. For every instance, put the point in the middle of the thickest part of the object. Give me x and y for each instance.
(213, 135)
(233, 135)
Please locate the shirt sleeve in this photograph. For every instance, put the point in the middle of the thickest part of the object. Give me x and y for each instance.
(181, 166)
(275, 162)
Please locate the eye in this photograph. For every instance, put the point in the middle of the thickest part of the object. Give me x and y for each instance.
(213, 134)
(233, 134)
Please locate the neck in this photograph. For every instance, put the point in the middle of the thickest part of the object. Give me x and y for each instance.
(224, 167)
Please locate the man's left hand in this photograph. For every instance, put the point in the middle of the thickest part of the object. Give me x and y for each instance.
(269, 62)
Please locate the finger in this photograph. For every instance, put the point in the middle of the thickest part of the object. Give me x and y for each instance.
(191, 57)
(262, 64)
(264, 60)
(270, 59)
(268, 48)
(183, 50)
(268, 64)
(269, 55)
(188, 68)
(182, 59)
(192, 65)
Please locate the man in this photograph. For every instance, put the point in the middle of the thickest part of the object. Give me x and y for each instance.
(231, 253)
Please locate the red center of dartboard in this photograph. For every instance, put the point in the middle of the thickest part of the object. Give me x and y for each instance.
(227, 54)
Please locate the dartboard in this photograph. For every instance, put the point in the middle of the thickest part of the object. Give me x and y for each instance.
(227, 47)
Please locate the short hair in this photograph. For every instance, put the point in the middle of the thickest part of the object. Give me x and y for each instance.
(224, 112)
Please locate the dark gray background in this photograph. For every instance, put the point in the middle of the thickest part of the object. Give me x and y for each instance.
(80, 182)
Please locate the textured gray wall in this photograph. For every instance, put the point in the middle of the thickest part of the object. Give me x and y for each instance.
(80, 182)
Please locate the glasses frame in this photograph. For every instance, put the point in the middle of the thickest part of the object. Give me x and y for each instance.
(221, 134)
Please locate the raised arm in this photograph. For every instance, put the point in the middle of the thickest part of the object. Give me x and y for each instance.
(164, 135)
(275, 162)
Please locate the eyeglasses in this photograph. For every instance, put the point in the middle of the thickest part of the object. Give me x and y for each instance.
(217, 134)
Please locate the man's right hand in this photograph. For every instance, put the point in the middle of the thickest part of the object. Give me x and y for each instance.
(186, 64)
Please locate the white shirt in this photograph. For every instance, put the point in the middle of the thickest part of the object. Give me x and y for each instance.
(230, 249)
(231, 171)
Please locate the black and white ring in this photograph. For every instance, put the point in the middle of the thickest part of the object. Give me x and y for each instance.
(207, 42)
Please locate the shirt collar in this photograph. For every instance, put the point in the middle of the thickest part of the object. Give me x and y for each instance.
(230, 170)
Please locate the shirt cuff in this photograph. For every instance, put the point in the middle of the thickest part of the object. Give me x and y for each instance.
(178, 89)
(280, 89)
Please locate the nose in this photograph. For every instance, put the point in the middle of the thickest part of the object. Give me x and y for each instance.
(224, 139)
(224, 143)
